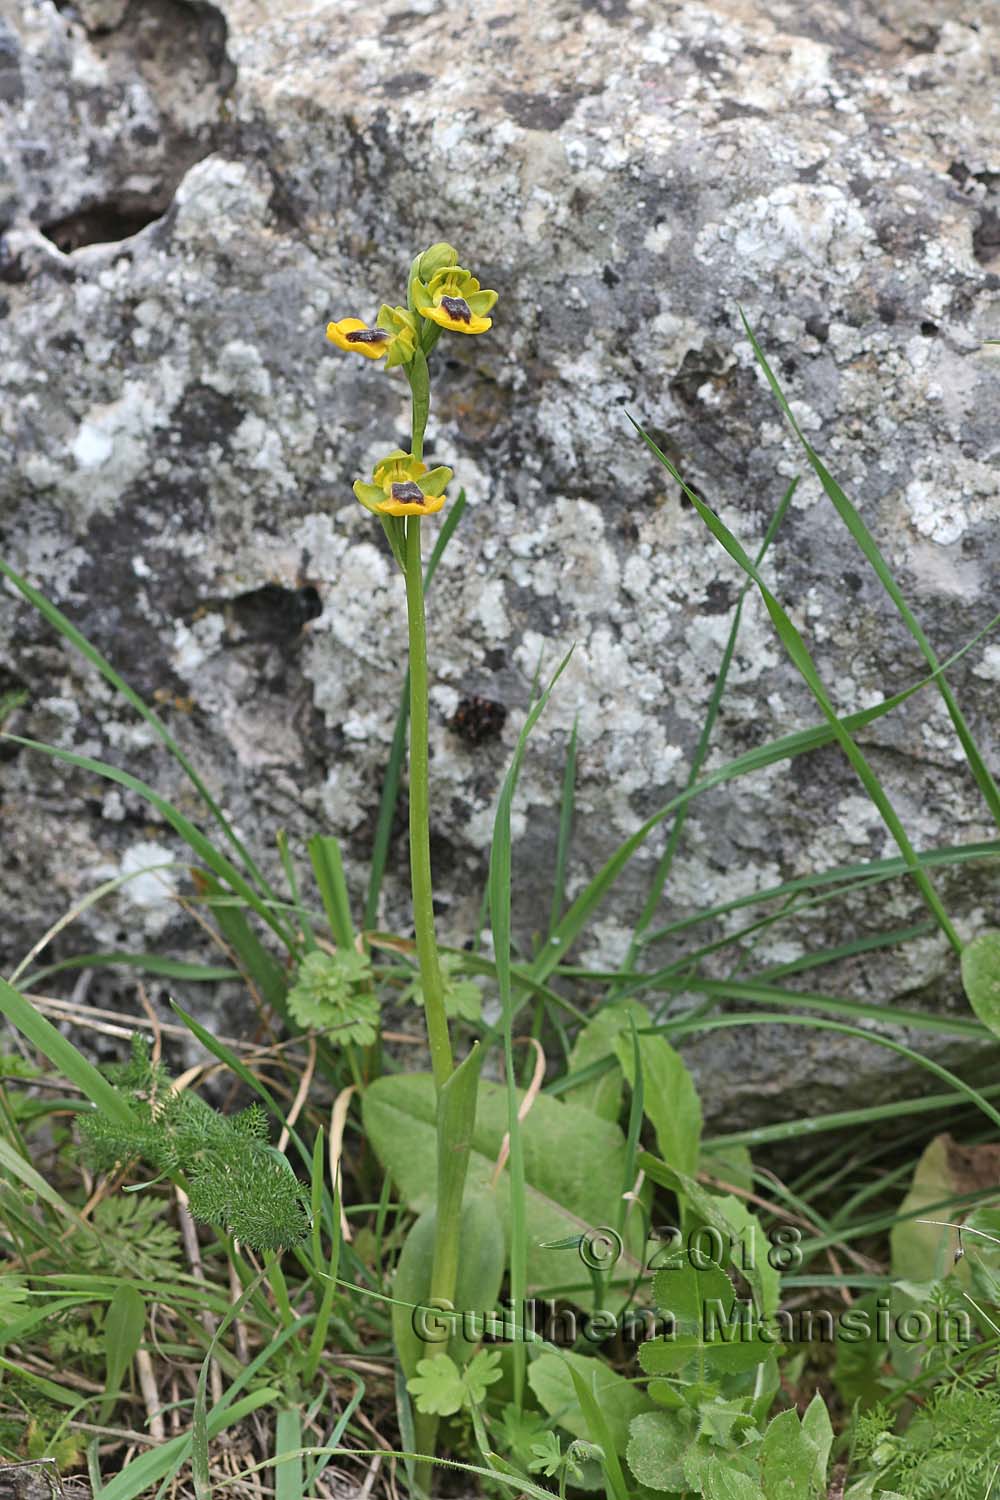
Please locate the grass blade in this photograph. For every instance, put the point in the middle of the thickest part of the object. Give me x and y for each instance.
(784, 748)
(192, 836)
(867, 544)
(328, 868)
(719, 1023)
(801, 659)
(565, 830)
(70, 633)
(500, 919)
(149, 963)
(289, 1479)
(701, 750)
(260, 968)
(63, 1056)
(759, 993)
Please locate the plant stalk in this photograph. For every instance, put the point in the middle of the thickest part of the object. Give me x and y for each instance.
(420, 844)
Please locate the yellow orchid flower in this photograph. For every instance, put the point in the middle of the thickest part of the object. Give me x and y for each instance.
(402, 486)
(453, 299)
(394, 334)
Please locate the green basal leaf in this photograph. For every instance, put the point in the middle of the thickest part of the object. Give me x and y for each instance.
(981, 977)
(574, 1166)
(620, 1399)
(670, 1099)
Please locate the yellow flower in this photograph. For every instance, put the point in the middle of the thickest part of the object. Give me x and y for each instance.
(453, 299)
(394, 334)
(402, 486)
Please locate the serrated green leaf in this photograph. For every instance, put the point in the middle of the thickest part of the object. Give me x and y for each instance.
(437, 1386)
(656, 1447)
(482, 1371)
(713, 1332)
(730, 1218)
(790, 1461)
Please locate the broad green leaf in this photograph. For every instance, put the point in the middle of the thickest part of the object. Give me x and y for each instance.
(123, 1329)
(751, 1251)
(657, 1443)
(480, 1272)
(669, 1097)
(925, 1252)
(596, 1041)
(981, 977)
(790, 1461)
(552, 1382)
(720, 1481)
(730, 1218)
(574, 1166)
(818, 1430)
(712, 1332)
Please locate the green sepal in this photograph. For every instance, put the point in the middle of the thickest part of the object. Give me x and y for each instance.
(412, 282)
(435, 259)
(419, 295)
(370, 495)
(402, 324)
(481, 302)
(436, 481)
(390, 458)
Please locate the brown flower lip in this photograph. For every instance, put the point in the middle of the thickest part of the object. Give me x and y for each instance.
(409, 493)
(458, 307)
(368, 336)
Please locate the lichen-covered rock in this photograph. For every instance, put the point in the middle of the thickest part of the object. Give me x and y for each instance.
(188, 193)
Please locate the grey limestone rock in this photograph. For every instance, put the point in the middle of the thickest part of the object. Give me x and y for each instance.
(189, 192)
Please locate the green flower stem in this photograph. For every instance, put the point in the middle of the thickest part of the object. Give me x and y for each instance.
(420, 389)
(420, 846)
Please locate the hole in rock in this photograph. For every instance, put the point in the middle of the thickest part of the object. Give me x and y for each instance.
(102, 224)
(150, 104)
(272, 614)
(986, 237)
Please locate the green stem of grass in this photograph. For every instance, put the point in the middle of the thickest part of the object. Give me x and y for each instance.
(420, 844)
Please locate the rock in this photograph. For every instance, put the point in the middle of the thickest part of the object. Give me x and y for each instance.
(190, 192)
